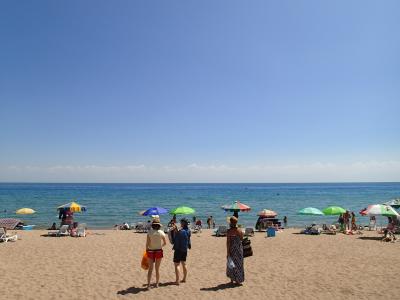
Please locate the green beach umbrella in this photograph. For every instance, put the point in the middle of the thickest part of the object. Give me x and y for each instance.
(182, 210)
(310, 211)
(333, 210)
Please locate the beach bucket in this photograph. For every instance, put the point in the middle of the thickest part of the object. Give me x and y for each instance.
(271, 232)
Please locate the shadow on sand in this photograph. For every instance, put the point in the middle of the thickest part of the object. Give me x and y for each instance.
(136, 290)
(221, 286)
(370, 238)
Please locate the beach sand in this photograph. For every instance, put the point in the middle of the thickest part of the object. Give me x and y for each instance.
(106, 265)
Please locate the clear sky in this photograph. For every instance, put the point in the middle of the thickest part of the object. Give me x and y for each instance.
(154, 91)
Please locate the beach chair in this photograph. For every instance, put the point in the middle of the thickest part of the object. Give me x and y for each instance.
(63, 231)
(249, 231)
(221, 231)
(81, 230)
(5, 238)
(140, 227)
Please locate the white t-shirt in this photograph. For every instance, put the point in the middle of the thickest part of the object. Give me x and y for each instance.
(155, 239)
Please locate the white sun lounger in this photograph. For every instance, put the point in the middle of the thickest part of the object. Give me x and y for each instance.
(63, 231)
(81, 231)
(221, 231)
(5, 238)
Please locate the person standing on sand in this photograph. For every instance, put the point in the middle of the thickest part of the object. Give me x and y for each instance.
(181, 245)
(346, 217)
(154, 244)
(209, 222)
(353, 221)
(234, 253)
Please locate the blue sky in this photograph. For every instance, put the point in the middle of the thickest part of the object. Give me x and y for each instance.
(199, 91)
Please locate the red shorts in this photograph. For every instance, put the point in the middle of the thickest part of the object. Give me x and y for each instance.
(155, 254)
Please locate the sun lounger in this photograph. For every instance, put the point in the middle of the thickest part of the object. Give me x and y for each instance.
(221, 231)
(63, 231)
(5, 238)
(140, 227)
(81, 230)
(249, 231)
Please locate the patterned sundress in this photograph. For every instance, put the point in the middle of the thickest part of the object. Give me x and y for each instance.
(237, 273)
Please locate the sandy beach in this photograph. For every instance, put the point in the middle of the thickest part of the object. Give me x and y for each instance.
(106, 265)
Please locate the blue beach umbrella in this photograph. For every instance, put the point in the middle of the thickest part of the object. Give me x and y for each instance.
(154, 211)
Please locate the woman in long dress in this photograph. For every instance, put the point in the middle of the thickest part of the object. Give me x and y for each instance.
(234, 248)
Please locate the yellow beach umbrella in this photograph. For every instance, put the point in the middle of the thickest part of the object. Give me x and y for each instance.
(73, 206)
(25, 211)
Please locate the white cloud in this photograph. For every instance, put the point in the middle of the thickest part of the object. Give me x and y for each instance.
(311, 172)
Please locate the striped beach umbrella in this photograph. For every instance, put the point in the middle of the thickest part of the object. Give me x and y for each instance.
(236, 206)
(310, 211)
(379, 210)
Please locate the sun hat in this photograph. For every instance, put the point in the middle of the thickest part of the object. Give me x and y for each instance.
(156, 221)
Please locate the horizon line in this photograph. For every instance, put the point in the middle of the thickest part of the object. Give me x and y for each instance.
(196, 182)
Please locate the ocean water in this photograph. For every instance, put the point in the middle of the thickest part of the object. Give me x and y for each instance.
(110, 204)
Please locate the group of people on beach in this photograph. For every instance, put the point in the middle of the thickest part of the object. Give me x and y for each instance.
(180, 238)
(347, 222)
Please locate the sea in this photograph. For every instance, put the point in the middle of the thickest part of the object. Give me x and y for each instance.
(110, 204)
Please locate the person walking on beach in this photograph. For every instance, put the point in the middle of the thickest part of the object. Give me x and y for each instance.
(154, 244)
(181, 245)
(209, 222)
(234, 253)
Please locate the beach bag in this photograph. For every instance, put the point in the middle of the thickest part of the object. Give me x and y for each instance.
(145, 262)
(247, 250)
(230, 264)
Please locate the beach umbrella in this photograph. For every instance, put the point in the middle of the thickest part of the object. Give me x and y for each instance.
(9, 223)
(73, 206)
(393, 203)
(236, 207)
(310, 211)
(333, 210)
(25, 211)
(267, 213)
(379, 210)
(154, 211)
(182, 210)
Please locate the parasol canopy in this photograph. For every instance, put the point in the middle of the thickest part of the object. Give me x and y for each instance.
(25, 211)
(333, 210)
(73, 206)
(9, 223)
(379, 210)
(267, 213)
(182, 210)
(154, 211)
(236, 206)
(310, 211)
